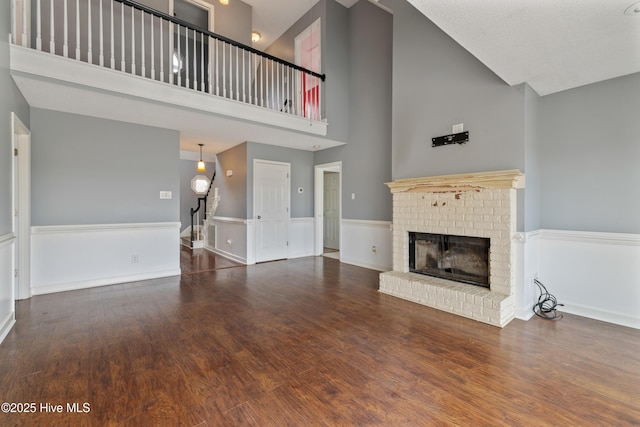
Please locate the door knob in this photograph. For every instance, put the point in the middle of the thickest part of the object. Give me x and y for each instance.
(259, 217)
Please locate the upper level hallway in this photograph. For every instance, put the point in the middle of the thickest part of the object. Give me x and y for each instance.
(121, 60)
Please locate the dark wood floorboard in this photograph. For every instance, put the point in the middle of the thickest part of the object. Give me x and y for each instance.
(304, 342)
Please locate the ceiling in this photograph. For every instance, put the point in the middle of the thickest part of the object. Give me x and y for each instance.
(552, 45)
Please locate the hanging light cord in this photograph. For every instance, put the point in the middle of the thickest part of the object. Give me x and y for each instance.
(547, 303)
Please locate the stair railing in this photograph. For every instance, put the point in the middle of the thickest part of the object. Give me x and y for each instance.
(130, 37)
(197, 209)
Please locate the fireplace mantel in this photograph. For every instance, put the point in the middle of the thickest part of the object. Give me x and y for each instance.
(512, 178)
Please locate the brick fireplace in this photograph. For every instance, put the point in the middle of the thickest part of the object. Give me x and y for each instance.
(474, 205)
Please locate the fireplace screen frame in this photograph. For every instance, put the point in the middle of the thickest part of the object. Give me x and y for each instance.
(450, 246)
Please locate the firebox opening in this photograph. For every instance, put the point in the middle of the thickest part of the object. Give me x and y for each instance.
(460, 258)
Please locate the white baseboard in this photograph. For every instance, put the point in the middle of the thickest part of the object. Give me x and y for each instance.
(86, 284)
(598, 314)
(6, 325)
(83, 256)
(7, 297)
(228, 255)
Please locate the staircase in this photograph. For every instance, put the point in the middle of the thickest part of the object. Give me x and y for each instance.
(199, 232)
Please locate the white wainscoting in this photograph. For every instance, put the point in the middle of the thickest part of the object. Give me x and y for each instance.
(358, 239)
(231, 238)
(70, 257)
(301, 237)
(596, 275)
(7, 300)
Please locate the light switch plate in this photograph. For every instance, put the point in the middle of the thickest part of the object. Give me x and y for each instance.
(165, 194)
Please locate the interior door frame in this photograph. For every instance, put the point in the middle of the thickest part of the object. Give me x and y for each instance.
(297, 42)
(319, 203)
(255, 215)
(21, 141)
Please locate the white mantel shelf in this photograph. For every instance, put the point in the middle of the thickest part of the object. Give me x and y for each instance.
(511, 178)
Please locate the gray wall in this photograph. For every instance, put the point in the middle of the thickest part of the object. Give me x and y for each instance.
(529, 199)
(189, 199)
(95, 171)
(232, 190)
(366, 159)
(334, 61)
(437, 83)
(11, 100)
(301, 175)
(590, 157)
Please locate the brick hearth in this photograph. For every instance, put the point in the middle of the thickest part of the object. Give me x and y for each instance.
(476, 205)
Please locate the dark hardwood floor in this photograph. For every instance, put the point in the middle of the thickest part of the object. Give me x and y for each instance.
(302, 342)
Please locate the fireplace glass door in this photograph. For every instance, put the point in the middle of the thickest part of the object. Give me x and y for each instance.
(460, 258)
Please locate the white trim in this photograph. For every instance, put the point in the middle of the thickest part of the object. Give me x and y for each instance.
(369, 223)
(7, 239)
(591, 237)
(319, 202)
(228, 255)
(6, 325)
(603, 315)
(30, 64)
(91, 228)
(229, 220)
(85, 284)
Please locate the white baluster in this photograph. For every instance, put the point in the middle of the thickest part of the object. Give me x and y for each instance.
(170, 45)
(267, 82)
(101, 57)
(195, 64)
(319, 99)
(90, 41)
(244, 90)
(25, 40)
(202, 87)
(14, 18)
(237, 72)
(253, 71)
(230, 71)
(179, 58)
(153, 48)
(65, 43)
(161, 53)
(133, 41)
(78, 30)
(209, 62)
(52, 41)
(224, 71)
(143, 69)
(123, 63)
(38, 25)
(263, 71)
(217, 69)
(112, 38)
(186, 55)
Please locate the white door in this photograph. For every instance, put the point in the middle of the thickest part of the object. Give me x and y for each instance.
(21, 207)
(331, 211)
(271, 200)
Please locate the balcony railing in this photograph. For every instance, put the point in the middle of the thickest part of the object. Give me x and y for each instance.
(126, 36)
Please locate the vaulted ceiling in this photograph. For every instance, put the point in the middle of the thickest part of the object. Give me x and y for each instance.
(552, 45)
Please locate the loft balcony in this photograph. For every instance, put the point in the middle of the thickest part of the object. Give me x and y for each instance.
(120, 60)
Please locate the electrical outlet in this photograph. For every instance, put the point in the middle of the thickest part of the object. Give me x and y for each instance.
(457, 128)
(374, 249)
(134, 259)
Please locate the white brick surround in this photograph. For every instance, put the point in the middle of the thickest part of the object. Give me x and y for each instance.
(476, 205)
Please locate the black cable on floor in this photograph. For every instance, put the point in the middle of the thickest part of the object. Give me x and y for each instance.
(547, 303)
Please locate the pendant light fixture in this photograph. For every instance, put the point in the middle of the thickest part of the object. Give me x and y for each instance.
(201, 167)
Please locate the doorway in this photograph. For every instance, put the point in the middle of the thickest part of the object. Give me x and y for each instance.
(307, 55)
(328, 209)
(191, 73)
(21, 204)
(271, 207)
